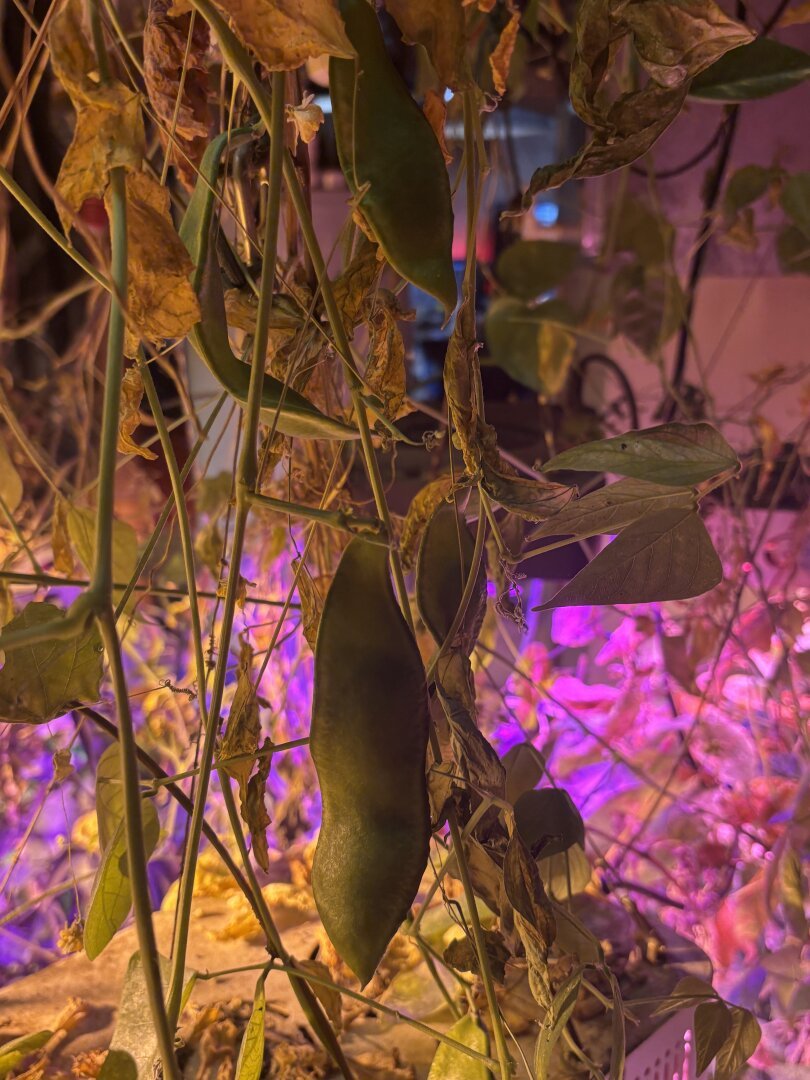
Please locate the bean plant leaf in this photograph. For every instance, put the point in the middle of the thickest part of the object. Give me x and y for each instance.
(176, 77)
(548, 822)
(133, 1048)
(756, 70)
(712, 1028)
(438, 25)
(532, 344)
(613, 508)
(131, 396)
(251, 1050)
(534, 917)
(161, 302)
(666, 556)
(525, 769)
(109, 129)
(282, 34)
(793, 249)
(688, 993)
(392, 160)
(674, 454)
(81, 525)
(111, 897)
(740, 1044)
(566, 874)
(450, 1064)
(557, 1016)
(461, 954)
(40, 682)
(329, 996)
(17, 1050)
(529, 268)
(500, 60)
(795, 200)
(11, 487)
(368, 742)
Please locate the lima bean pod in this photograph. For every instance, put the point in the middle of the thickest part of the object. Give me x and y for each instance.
(391, 159)
(368, 741)
(297, 415)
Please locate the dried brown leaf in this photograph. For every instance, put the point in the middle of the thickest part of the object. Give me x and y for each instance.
(176, 77)
(534, 916)
(435, 110)
(438, 25)
(501, 58)
(358, 282)
(306, 119)
(385, 372)
(312, 593)
(284, 33)
(242, 733)
(131, 395)
(161, 302)
(254, 809)
(63, 561)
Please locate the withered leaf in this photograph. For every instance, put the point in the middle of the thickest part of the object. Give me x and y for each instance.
(461, 955)
(529, 497)
(311, 593)
(328, 996)
(385, 372)
(501, 58)
(435, 110)
(63, 562)
(534, 916)
(254, 810)
(284, 33)
(109, 128)
(131, 394)
(242, 733)
(306, 119)
(176, 77)
(161, 302)
(419, 513)
(437, 25)
(475, 758)
(357, 283)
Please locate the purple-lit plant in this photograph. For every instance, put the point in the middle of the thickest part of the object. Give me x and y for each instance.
(415, 799)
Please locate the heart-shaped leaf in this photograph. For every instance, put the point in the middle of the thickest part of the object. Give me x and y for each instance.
(757, 70)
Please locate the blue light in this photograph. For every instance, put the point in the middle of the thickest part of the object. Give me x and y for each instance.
(546, 213)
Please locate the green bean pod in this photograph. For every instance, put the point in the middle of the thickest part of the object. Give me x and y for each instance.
(392, 160)
(297, 415)
(368, 741)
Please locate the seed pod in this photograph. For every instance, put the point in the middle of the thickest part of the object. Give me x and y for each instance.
(392, 160)
(368, 741)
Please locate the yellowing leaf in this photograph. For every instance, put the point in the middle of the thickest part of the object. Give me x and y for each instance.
(312, 594)
(131, 394)
(284, 33)
(41, 681)
(450, 1064)
(81, 525)
(307, 119)
(501, 58)
(11, 488)
(438, 25)
(385, 373)
(60, 539)
(109, 128)
(435, 110)
(242, 734)
(161, 302)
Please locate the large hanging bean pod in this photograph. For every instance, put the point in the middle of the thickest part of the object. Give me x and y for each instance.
(391, 159)
(368, 741)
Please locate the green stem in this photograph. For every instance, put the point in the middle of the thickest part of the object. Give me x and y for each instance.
(370, 528)
(99, 596)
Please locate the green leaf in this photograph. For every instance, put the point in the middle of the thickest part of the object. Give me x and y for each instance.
(251, 1051)
(689, 992)
(793, 249)
(795, 201)
(640, 230)
(648, 305)
(40, 682)
(740, 1044)
(613, 508)
(757, 70)
(666, 556)
(557, 1016)
(443, 566)
(678, 455)
(368, 741)
(450, 1064)
(11, 487)
(532, 344)
(712, 1029)
(133, 1048)
(566, 874)
(525, 769)
(17, 1050)
(548, 822)
(111, 898)
(745, 186)
(529, 268)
